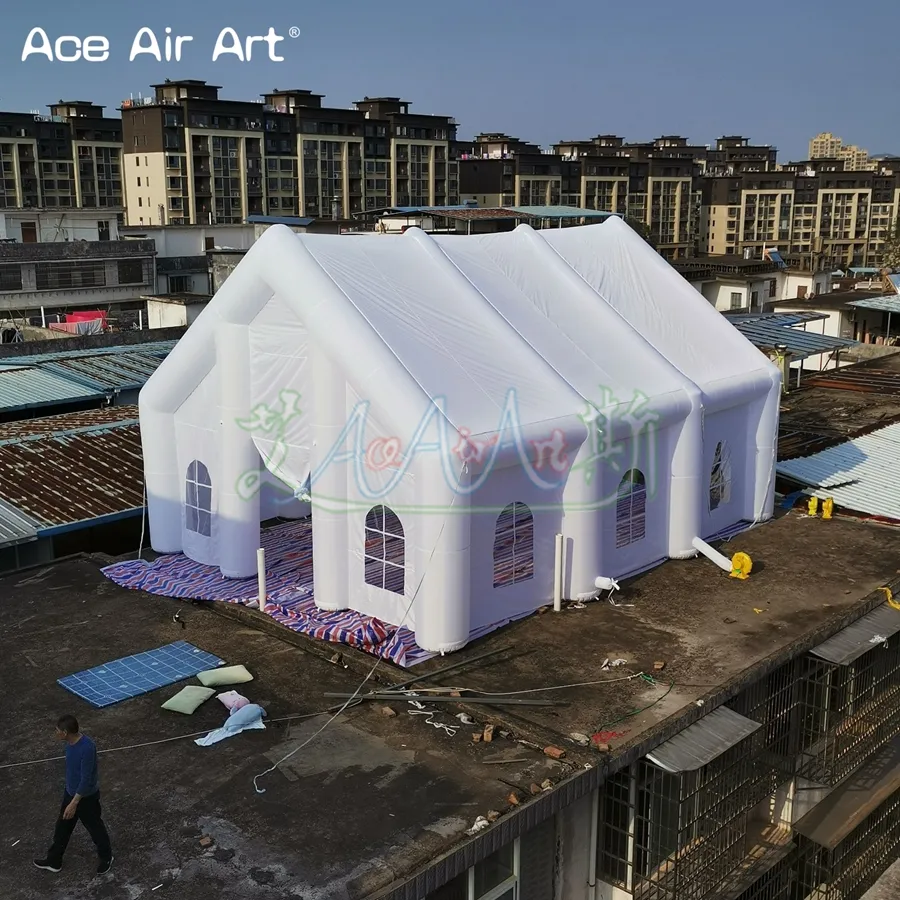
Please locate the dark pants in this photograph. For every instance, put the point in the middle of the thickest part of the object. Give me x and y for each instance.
(88, 813)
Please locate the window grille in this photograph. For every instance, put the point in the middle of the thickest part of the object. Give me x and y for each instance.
(385, 550)
(514, 545)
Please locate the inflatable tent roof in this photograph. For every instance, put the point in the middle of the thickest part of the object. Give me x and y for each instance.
(564, 317)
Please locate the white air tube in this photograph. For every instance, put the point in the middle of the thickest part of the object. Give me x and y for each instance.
(721, 561)
(261, 575)
(558, 574)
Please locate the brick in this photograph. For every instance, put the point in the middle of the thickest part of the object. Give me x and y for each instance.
(658, 666)
(513, 799)
(206, 841)
(554, 752)
(387, 712)
(488, 733)
(476, 738)
(493, 815)
(601, 747)
(534, 788)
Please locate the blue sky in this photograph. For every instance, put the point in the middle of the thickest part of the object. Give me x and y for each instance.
(540, 71)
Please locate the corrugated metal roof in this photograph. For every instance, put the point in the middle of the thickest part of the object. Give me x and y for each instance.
(849, 644)
(561, 212)
(889, 303)
(153, 348)
(699, 744)
(27, 387)
(49, 378)
(89, 418)
(73, 476)
(15, 526)
(895, 281)
(280, 220)
(108, 373)
(797, 318)
(862, 475)
(799, 343)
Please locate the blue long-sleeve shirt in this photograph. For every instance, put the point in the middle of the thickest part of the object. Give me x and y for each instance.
(81, 768)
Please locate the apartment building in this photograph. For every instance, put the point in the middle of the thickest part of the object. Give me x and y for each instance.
(817, 209)
(826, 146)
(193, 158)
(60, 163)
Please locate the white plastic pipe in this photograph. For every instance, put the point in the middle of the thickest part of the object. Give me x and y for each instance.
(558, 574)
(261, 576)
(43, 318)
(721, 561)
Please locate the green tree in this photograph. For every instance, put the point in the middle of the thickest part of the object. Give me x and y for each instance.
(890, 255)
(642, 229)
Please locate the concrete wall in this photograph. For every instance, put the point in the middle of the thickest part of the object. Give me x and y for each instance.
(190, 240)
(166, 315)
(90, 342)
(60, 226)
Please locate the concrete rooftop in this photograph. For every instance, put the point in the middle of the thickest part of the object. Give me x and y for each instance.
(374, 799)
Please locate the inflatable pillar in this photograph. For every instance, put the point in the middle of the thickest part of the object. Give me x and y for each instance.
(328, 486)
(237, 511)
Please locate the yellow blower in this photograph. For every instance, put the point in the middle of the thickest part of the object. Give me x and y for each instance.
(741, 564)
(828, 508)
(813, 506)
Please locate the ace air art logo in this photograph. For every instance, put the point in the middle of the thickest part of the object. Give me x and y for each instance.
(172, 48)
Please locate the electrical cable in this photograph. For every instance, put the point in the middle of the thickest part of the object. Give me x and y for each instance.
(557, 687)
(355, 695)
(636, 712)
(177, 737)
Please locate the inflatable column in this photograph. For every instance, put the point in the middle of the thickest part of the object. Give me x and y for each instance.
(688, 486)
(237, 511)
(442, 572)
(328, 486)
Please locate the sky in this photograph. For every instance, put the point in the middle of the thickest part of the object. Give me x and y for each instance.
(539, 71)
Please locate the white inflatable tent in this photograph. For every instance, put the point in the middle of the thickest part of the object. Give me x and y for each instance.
(451, 404)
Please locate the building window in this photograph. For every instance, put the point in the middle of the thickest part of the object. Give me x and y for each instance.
(198, 499)
(11, 278)
(514, 545)
(773, 287)
(522, 870)
(384, 550)
(720, 477)
(631, 509)
(736, 300)
(179, 284)
(130, 271)
(680, 833)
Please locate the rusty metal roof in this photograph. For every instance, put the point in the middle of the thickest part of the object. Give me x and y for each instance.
(73, 475)
(89, 418)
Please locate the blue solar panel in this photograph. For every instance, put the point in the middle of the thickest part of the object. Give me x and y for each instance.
(140, 674)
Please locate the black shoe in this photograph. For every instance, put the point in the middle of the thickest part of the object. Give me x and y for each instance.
(46, 865)
(104, 866)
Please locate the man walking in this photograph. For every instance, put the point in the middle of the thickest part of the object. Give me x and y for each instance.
(81, 800)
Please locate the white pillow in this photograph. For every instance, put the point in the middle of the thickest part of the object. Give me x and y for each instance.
(188, 699)
(228, 675)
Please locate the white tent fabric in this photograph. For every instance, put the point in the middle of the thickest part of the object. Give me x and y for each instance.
(489, 392)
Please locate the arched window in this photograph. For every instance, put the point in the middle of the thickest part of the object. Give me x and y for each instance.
(720, 477)
(385, 550)
(631, 508)
(514, 545)
(198, 499)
